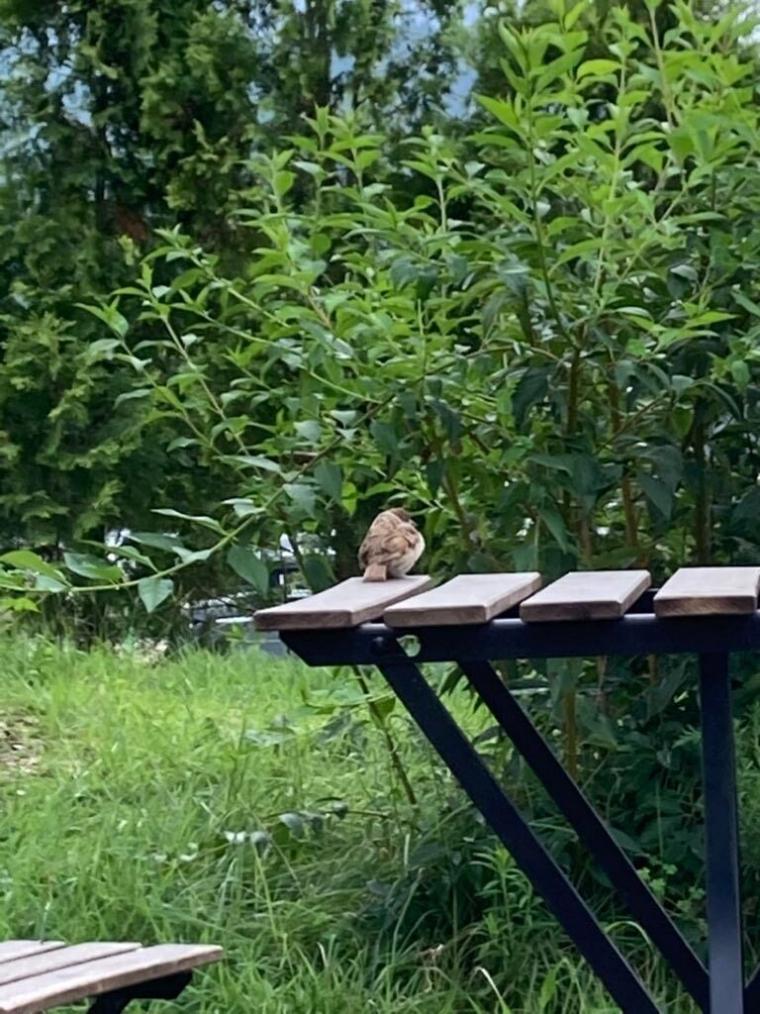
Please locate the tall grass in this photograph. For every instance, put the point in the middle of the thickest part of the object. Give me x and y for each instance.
(249, 802)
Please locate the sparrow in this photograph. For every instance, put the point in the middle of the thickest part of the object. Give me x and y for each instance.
(391, 547)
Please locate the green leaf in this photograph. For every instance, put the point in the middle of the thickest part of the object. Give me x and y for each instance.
(159, 540)
(317, 572)
(548, 987)
(110, 317)
(556, 526)
(194, 555)
(181, 442)
(18, 604)
(309, 430)
(103, 348)
(748, 304)
(242, 506)
(91, 567)
(504, 111)
(253, 461)
(385, 436)
(25, 559)
(130, 553)
(532, 387)
(250, 567)
(153, 591)
(657, 493)
(138, 393)
(199, 519)
(330, 478)
(50, 584)
(303, 496)
(598, 68)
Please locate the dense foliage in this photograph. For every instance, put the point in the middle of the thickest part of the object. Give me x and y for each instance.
(117, 118)
(239, 307)
(541, 337)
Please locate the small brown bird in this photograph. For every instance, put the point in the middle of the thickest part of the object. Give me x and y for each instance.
(391, 547)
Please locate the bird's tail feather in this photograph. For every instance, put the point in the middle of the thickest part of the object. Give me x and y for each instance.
(376, 572)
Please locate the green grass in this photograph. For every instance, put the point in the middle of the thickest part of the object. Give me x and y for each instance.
(131, 791)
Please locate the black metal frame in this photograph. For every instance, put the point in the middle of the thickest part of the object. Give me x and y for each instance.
(167, 988)
(721, 990)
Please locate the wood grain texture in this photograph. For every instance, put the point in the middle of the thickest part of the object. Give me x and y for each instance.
(469, 598)
(67, 985)
(709, 591)
(586, 595)
(10, 950)
(60, 957)
(346, 604)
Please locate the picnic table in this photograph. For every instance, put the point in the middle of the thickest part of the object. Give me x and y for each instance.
(475, 619)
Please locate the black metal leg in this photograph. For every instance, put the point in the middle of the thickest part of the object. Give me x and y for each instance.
(109, 1004)
(721, 838)
(530, 855)
(590, 828)
(752, 994)
(167, 988)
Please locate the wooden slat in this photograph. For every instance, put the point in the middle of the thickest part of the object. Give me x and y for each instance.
(705, 591)
(10, 950)
(61, 957)
(345, 605)
(587, 595)
(67, 985)
(469, 598)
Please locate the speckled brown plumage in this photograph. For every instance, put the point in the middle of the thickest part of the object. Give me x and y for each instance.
(391, 547)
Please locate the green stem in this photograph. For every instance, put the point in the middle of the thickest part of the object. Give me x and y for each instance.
(702, 528)
(239, 529)
(392, 745)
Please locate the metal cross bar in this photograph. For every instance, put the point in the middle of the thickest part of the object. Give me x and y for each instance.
(634, 634)
(590, 828)
(530, 855)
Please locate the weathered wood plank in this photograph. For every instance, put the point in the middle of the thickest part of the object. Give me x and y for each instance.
(709, 591)
(67, 985)
(60, 957)
(469, 598)
(587, 595)
(344, 605)
(10, 950)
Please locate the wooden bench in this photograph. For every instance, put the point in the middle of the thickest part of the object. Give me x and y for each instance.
(36, 975)
(471, 599)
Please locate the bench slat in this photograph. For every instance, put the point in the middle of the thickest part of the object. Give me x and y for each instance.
(67, 985)
(469, 598)
(587, 595)
(10, 950)
(344, 605)
(60, 957)
(704, 591)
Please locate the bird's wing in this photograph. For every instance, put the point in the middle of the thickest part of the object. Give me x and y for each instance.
(381, 528)
(386, 547)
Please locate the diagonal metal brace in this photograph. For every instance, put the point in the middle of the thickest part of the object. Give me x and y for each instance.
(724, 908)
(590, 828)
(576, 918)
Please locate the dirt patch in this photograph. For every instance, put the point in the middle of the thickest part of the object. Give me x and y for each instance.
(20, 745)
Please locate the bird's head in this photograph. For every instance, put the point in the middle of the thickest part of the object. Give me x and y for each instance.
(400, 513)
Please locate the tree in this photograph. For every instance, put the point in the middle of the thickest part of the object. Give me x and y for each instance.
(120, 117)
